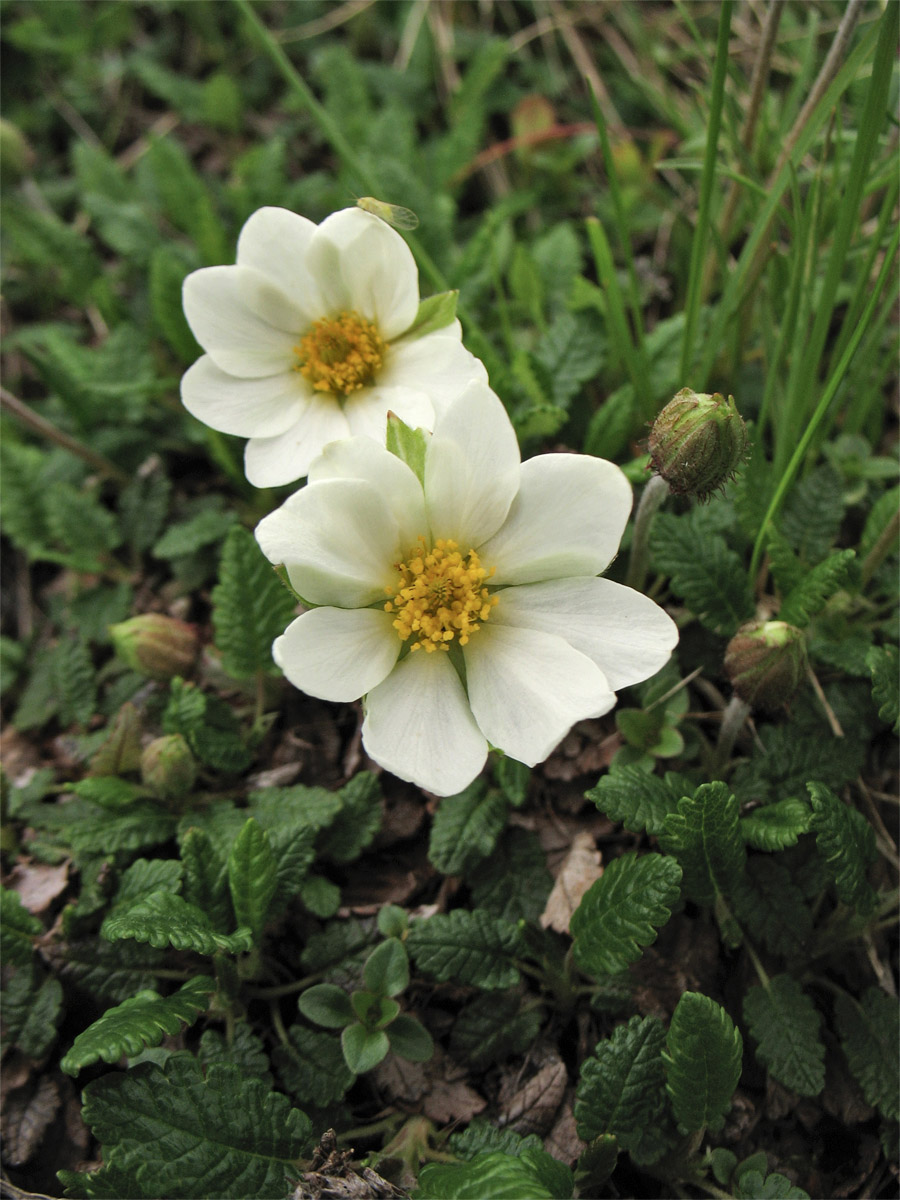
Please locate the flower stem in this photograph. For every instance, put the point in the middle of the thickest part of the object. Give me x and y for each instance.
(40, 425)
(733, 718)
(652, 499)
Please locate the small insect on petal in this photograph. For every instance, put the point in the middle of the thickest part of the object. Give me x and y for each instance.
(392, 214)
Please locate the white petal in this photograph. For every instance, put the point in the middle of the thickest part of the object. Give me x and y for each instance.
(471, 468)
(338, 541)
(337, 653)
(418, 726)
(437, 364)
(567, 519)
(273, 461)
(275, 241)
(244, 322)
(527, 689)
(247, 407)
(361, 458)
(628, 636)
(364, 265)
(367, 410)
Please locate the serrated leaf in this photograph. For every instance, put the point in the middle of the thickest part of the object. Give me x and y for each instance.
(244, 1050)
(76, 686)
(704, 836)
(186, 1137)
(17, 929)
(514, 882)
(620, 913)
(480, 1136)
(815, 589)
(252, 877)
(469, 947)
(32, 1009)
(81, 525)
(336, 949)
(144, 1020)
(466, 827)
(492, 1027)
(168, 268)
(703, 570)
(206, 878)
(787, 569)
(495, 1174)
(882, 664)
(753, 1186)
(185, 198)
(572, 350)
(813, 512)
(621, 1087)
(870, 1040)
(147, 875)
(313, 1067)
(776, 826)
(251, 607)
(639, 800)
(772, 908)
(789, 758)
(703, 1062)
(187, 537)
(107, 791)
(109, 972)
(208, 725)
(784, 1022)
(135, 827)
(166, 920)
(846, 842)
(357, 822)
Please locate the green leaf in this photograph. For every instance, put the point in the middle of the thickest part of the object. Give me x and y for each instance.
(337, 949)
(435, 312)
(168, 268)
(147, 875)
(704, 836)
(206, 878)
(882, 664)
(107, 791)
(869, 1037)
(466, 827)
(208, 725)
(772, 908)
(32, 1009)
(621, 1089)
(784, 1022)
(319, 895)
(846, 841)
(639, 800)
(751, 1185)
(469, 947)
(363, 1048)
(134, 827)
(703, 1062)
(480, 1136)
(513, 779)
(498, 1175)
(776, 826)
(327, 1005)
(143, 505)
(572, 350)
(179, 1134)
(357, 822)
(187, 537)
(144, 1020)
(76, 686)
(492, 1027)
(108, 972)
(166, 920)
(813, 513)
(251, 607)
(252, 877)
(789, 758)
(620, 913)
(387, 969)
(709, 576)
(374, 1012)
(313, 1067)
(815, 589)
(514, 882)
(410, 1039)
(185, 198)
(245, 1050)
(17, 929)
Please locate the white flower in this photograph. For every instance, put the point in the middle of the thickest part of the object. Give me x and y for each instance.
(304, 340)
(466, 610)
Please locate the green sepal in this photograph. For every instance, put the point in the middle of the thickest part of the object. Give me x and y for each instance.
(364, 1049)
(407, 444)
(327, 1005)
(435, 312)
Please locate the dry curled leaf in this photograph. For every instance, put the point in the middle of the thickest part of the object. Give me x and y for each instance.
(38, 884)
(531, 1107)
(29, 1111)
(579, 870)
(439, 1085)
(333, 1176)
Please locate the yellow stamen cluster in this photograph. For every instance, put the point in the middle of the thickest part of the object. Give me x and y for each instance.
(340, 354)
(440, 596)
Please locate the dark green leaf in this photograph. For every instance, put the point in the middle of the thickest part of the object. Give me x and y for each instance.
(776, 826)
(846, 841)
(869, 1037)
(327, 1005)
(704, 836)
(816, 588)
(17, 929)
(32, 1009)
(244, 1050)
(410, 1039)
(784, 1022)
(709, 576)
(469, 947)
(387, 969)
(357, 822)
(639, 800)
(492, 1027)
(813, 512)
(882, 664)
(363, 1048)
(252, 877)
(753, 1186)
(313, 1067)
(771, 906)
(514, 882)
(165, 920)
(703, 1062)
(494, 1174)
(466, 828)
(251, 607)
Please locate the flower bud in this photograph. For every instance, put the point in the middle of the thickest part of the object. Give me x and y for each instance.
(766, 661)
(156, 645)
(697, 442)
(168, 768)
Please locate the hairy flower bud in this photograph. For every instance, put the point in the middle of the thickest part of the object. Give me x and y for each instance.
(168, 768)
(156, 645)
(698, 442)
(765, 661)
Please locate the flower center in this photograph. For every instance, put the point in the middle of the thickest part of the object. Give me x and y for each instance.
(439, 595)
(340, 354)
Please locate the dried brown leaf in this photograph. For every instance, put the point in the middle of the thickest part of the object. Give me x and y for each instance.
(38, 884)
(531, 1107)
(29, 1111)
(579, 870)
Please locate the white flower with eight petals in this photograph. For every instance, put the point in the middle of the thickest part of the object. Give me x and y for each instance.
(304, 340)
(464, 606)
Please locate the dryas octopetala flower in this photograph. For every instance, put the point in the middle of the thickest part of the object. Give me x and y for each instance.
(458, 594)
(313, 336)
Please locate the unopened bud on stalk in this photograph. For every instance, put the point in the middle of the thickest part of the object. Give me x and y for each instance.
(766, 661)
(698, 442)
(168, 768)
(156, 645)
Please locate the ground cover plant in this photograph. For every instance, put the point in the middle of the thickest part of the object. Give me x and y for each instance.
(253, 944)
